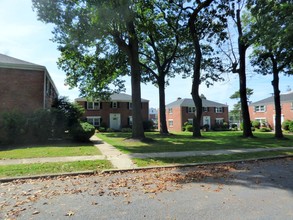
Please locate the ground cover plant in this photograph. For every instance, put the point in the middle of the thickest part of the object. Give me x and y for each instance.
(184, 142)
(50, 150)
(206, 159)
(51, 168)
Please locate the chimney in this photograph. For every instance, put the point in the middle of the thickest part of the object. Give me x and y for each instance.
(178, 98)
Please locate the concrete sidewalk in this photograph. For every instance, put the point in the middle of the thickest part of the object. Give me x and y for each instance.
(117, 158)
(204, 153)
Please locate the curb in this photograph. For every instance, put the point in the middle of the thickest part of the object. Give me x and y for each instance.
(109, 171)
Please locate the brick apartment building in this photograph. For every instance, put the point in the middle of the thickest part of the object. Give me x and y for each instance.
(24, 86)
(182, 110)
(115, 113)
(264, 110)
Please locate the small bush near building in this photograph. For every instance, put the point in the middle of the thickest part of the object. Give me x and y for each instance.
(234, 127)
(286, 124)
(255, 124)
(148, 125)
(126, 130)
(291, 126)
(189, 128)
(265, 129)
(82, 131)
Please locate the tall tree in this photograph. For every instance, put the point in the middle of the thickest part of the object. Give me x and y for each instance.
(271, 25)
(103, 26)
(206, 22)
(160, 38)
(238, 62)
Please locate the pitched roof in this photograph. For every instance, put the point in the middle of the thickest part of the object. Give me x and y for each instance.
(286, 97)
(122, 97)
(11, 62)
(189, 103)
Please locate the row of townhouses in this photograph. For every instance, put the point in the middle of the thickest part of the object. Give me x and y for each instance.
(26, 87)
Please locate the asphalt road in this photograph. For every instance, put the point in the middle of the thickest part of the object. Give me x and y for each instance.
(250, 190)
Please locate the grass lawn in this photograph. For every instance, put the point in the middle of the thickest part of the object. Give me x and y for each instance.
(50, 168)
(202, 159)
(55, 150)
(183, 141)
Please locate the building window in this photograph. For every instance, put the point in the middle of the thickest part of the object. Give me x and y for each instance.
(93, 105)
(95, 120)
(291, 105)
(205, 109)
(130, 120)
(219, 121)
(190, 121)
(259, 108)
(114, 105)
(191, 109)
(170, 110)
(218, 109)
(130, 105)
(170, 122)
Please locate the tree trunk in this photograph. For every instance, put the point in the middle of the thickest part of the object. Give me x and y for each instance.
(277, 100)
(137, 124)
(163, 123)
(242, 80)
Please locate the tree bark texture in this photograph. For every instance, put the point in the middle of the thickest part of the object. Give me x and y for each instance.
(277, 100)
(163, 122)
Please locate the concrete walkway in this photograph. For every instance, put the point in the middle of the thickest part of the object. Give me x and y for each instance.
(204, 153)
(118, 159)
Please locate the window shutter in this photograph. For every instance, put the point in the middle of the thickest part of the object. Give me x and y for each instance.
(186, 109)
(214, 109)
(208, 109)
(85, 105)
(118, 104)
(223, 109)
(128, 104)
(101, 106)
(101, 119)
(111, 104)
(128, 121)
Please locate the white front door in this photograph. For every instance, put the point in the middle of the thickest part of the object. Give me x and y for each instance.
(206, 120)
(115, 121)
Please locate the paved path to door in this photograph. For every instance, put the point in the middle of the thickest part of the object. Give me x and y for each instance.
(116, 157)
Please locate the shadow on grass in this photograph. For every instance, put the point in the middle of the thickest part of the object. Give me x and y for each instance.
(185, 142)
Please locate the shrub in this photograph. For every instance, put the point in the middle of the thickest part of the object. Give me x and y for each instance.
(264, 129)
(291, 126)
(13, 127)
(110, 130)
(286, 124)
(126, 130)
(82, 131)
(148, 125)
(234, 127)
(255, 124)
(241, 126)
(102, 129)
(189, 128)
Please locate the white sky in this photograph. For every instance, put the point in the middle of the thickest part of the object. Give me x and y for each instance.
(24, 37)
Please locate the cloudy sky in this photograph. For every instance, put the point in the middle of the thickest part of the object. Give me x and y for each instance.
(24, 37)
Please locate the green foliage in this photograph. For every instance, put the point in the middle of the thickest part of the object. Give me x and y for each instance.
(72, 111)
(256, 124)
(13, 127)
(265, 129)
(126, 129)
(189, 128)
(148, 125)
(286, 124)
(102, 129)
(82, 131)
(291, 126)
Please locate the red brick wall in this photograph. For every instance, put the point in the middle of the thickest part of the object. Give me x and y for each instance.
(180, 116)
(106, 110)
(287, 113)
(21, 90)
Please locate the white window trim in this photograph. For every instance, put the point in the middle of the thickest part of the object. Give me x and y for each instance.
(94, 118)
(205, 109)
(170, 111)
(170, 120)
(95, 106)
(219, 109)
(191, 109)
(258, 108)
(220, 119)
(130, 105)
(114, 104)
(190, 120)
(130, 120)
